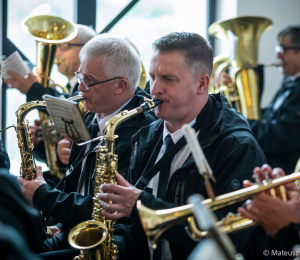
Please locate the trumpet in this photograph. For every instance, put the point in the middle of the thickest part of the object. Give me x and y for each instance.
(155, 222)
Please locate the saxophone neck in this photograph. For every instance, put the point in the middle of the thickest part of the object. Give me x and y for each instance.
(114, 122)
(24, 109)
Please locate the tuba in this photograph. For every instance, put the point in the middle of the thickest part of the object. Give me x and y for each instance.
(48, 31)
(155, 222)
(94, 238)
(243, 35)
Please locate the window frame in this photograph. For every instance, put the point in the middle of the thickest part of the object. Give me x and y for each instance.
(81, 7)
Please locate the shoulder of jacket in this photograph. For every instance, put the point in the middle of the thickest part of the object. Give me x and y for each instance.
(149, 130)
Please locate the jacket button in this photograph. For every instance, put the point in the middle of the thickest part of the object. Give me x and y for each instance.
(235, 184)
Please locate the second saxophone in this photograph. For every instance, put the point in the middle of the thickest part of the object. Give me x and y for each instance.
(94, 238)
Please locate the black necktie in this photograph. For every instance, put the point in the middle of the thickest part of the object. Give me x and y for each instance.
(165, 172)
(161, 192)
(68, 86)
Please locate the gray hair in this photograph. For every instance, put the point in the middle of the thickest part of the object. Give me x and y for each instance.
(85, 33)
(197, 51)
(294, 33)
(120, 59)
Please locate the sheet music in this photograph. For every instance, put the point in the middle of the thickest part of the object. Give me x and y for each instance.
(67, 118)
(15, 63)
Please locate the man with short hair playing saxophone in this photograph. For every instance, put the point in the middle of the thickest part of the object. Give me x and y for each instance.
(108, 75)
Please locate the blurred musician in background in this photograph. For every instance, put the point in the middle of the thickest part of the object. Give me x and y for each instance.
(278, 132)
(108, 75)
(67, 57)
(180, 72)
(280, 219)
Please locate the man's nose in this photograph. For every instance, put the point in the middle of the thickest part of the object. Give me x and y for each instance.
(82, 88)
(57, 53)
(279, 55)
(155, 87)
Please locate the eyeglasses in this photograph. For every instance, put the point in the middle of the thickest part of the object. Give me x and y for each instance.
(282, 49)
(66, 46)
(79, 77)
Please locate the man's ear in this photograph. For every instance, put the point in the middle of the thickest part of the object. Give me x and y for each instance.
(121, 87)
(203, 83)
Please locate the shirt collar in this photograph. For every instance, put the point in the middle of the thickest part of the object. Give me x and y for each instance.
(176, 135)
(72, 82)
(293, 78)
(102, 121)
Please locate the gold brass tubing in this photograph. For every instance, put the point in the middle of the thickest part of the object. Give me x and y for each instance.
(247, 92)
(243, 194)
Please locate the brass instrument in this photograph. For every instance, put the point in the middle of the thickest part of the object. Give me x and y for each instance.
(94, 237)
(48, 31)
(143, 78)
(28, 165)
(155, 222)
(244, 92)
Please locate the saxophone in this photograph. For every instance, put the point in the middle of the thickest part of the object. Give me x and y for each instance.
(28, 165)
(94, 238)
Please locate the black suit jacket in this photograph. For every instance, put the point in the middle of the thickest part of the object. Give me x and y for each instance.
(37, 91)
(278, 132)
(69, 207)
(4, 159)
(232, 153)
(18, 217)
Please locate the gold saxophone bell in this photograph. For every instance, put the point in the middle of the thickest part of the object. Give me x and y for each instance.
(94, 238)
(245, 92)
(87, 236)
(155, 222)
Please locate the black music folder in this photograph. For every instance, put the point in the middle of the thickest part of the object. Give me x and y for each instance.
(67, 118)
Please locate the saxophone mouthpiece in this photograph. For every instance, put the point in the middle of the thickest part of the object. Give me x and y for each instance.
(157, 102)
(150, 104)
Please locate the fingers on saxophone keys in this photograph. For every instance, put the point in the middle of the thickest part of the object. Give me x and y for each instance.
(21, 181)
(108, 206)
(107, 197)
(111, 215)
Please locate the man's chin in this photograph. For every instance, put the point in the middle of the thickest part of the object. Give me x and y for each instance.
(160, 114)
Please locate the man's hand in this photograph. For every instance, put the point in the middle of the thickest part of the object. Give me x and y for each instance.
(55, 230)
(29, 187)
(118, 200)
(272, 214)
(64, 150)
(36, 132)
(224, 79)
(266, 172)
(19, 82)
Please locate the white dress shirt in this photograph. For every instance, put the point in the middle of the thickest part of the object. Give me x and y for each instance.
(293, 78)
(176, 163)
(101, 123)
(72, 82)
